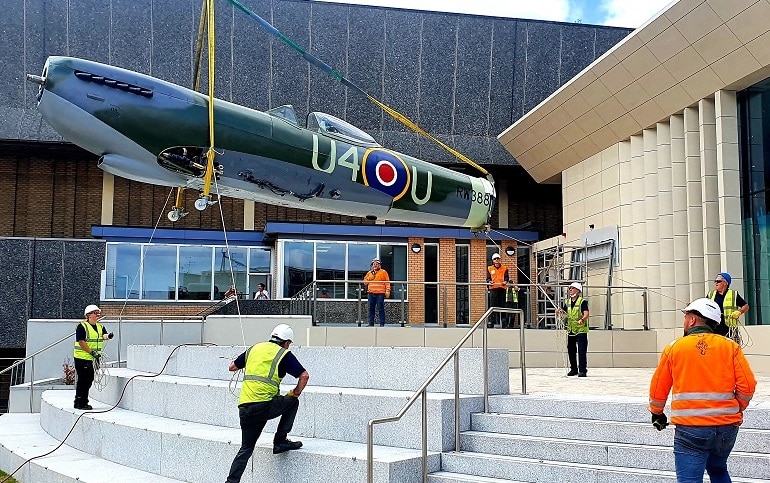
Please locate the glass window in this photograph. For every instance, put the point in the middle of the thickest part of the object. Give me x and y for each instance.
(297, 267)
(259, 260)
(359, 261)
(159, 273)
(462, 294)
(230, 265)
(393, 259)
(195, 282)
(330, 265)
(122, 277)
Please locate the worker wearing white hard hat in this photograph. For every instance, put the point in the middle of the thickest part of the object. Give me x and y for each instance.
(264, 366)
(497, 286)
(89, 342)
(576, 324)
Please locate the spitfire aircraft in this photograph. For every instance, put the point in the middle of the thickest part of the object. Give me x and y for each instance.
(149, 130)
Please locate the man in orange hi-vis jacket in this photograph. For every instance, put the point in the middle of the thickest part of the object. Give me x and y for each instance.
(711, 385)
(377, 284)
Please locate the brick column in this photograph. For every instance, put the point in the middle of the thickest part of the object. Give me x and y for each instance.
(448, 272)
(478, 290)
(415, 264)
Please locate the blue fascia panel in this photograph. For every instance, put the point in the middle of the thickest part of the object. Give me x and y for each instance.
(170, 235)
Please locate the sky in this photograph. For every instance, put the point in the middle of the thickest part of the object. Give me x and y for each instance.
(616, 13)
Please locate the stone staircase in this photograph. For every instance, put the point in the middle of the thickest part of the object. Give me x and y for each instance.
(547, 438)
(183, 426)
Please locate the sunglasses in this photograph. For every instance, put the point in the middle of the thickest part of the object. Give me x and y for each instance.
(718, 281)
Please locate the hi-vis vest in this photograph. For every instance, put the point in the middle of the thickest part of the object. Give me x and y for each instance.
(710, 380)
(260, 378)
(497, 277)
(574, 314)
(728, 304)
(379, 281)
(93, 340)
(512, 295)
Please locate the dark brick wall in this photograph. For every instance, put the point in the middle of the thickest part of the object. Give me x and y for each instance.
(463, 78)
(46, 278)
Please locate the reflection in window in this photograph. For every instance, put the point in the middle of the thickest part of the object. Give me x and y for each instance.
(297, 267)
(229, 265)
(180, 272)
(330, 265)
(260, 270)
(122, 277)
(462, 292)
(195, 273)
(359, 262)
(159, 275)
(393, 258)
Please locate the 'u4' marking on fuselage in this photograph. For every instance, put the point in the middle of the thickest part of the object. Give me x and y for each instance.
(350, 159)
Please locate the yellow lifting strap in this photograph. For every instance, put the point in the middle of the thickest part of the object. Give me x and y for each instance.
(210, 153)
(411, 125)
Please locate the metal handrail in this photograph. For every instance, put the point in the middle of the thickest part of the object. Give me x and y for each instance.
(31, 358)
(422, 391)
(119, 319)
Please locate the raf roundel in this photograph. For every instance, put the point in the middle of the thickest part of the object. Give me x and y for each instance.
(385, 171)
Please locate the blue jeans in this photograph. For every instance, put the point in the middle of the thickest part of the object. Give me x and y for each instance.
(377, 301)
(698, 448)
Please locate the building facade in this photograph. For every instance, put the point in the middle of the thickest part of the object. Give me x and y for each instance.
(463, 78)
(661, 140)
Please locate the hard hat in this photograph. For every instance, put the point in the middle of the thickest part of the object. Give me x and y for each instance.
(375, 260)
(726, 277)
(495, 256)
(283, 332)
(707, 308)
(91, 308)
(577, 286)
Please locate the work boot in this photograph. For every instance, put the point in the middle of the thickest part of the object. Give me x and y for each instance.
(582, 374)
(572, 373)
(286, 445)
(84, 407)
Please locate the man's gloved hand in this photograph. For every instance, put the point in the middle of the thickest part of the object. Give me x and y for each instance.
(110, 335)
(291, 393)
(387, 294)
(660, 421)
(735, 314)
(96, 354)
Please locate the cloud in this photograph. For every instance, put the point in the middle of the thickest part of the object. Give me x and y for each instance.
(625, 13)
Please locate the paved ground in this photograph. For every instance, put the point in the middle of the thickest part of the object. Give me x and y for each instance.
(603, 382)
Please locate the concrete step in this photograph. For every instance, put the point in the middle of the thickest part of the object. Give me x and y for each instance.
(619, 455)
(449, 477)
(538, 470)
(337, 413)
(364, 367)
(749, 440)
(22, 438)
(197, 452)
(591, 407)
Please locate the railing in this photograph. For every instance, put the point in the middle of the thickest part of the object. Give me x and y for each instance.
(13, 369)
(422, 392)
(536, 301)
(18, 369)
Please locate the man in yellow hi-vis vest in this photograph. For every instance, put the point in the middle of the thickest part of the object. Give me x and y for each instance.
(89, 341)
(265, 365)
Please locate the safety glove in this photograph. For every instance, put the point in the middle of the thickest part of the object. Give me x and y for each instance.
(660, 421)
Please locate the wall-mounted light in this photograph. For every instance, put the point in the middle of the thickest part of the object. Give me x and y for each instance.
(591, 226)
(416, 248)
(510, 251)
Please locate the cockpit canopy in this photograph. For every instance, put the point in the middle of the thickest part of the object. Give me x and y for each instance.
(326, 124)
